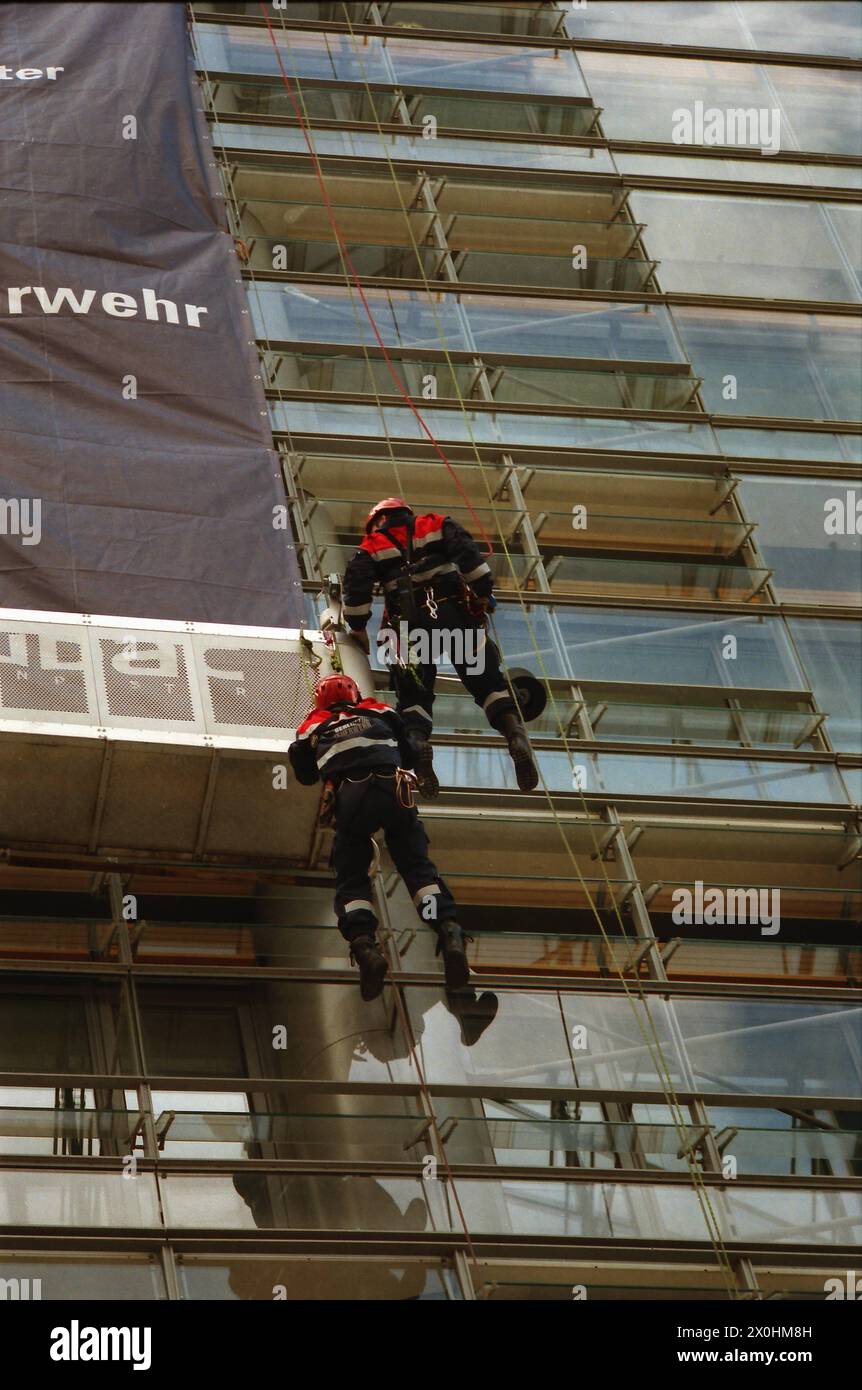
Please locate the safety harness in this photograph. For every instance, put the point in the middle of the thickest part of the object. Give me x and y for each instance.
(408, 605)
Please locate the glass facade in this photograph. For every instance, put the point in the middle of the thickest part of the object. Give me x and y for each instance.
(645, 373)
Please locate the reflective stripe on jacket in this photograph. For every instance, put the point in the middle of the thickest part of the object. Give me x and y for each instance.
(349, 740)
(443, 554)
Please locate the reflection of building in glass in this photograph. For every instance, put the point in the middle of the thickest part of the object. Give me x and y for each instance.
(642, 360)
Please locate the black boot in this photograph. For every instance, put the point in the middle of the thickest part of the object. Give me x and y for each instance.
(474, 1014)
(372, 963)
(423, 765)
(520, 751)
(450, 942)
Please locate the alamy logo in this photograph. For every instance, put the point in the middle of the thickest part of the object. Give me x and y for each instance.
(77, 1343)
(727, 906)
(21, 516)
(748, 127)
(20, 1289)
(851, 1287)
(459, 646)
(842, 516)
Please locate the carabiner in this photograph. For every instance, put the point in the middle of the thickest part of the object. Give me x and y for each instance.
(430, 605)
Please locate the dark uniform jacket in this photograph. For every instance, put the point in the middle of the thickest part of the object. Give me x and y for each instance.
(349, 741)
(444, 554)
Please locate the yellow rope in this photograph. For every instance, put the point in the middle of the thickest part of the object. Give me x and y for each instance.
(674, 1105)
(661, 1064)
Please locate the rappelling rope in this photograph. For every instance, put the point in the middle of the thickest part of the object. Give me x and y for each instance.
(351, 272)
(661, 1064)
(309, 661)
(655, 1048)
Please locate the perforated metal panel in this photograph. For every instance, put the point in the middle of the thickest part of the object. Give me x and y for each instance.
(119, 674)
(125, 736)
(265, 687)
(145, 680)
(45, 672)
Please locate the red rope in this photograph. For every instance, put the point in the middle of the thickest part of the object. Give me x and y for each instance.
(358, 283)
(403, 391)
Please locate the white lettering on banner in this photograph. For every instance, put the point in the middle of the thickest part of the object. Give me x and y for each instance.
(27, 74)
(113, 302)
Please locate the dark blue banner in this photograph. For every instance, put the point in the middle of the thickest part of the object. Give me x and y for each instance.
(137, 474)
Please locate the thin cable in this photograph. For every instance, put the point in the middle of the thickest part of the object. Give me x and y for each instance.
(402, 390)
(305, 665)
(358, 318)
(660, 1064)
(233, 206)
(400, 1006)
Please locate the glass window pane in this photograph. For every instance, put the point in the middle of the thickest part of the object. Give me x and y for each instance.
(720, 1045)
(767, 248)
(405, 318)
(249, 1201)
(57, 938)
(455, 113)
(51, 1025)
(557, 386)
(762, 170)
(493, 427)
(644, 775)
(445, 149)
(298, 944)
(782, 26)
(761, 852)
(640, 96)
(782, 364)
(564, 328)
(430, 61)
(68, 1120)
(332, 1280)
(852, 778)
(789, 444)
(666, 648)
(831, 654)
(78, 1199)
(526, 1044)
(721, 778)
(329, 1032)
(772, 1046)
(795, 26)
(641, 1211)
(807, 534)
(85, 1278)
(482, 16)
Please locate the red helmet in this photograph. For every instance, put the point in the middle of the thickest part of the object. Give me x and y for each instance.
(336, 690)
(389, 504)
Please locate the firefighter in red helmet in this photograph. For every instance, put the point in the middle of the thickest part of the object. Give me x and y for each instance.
(436, 585)
(360, 747)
